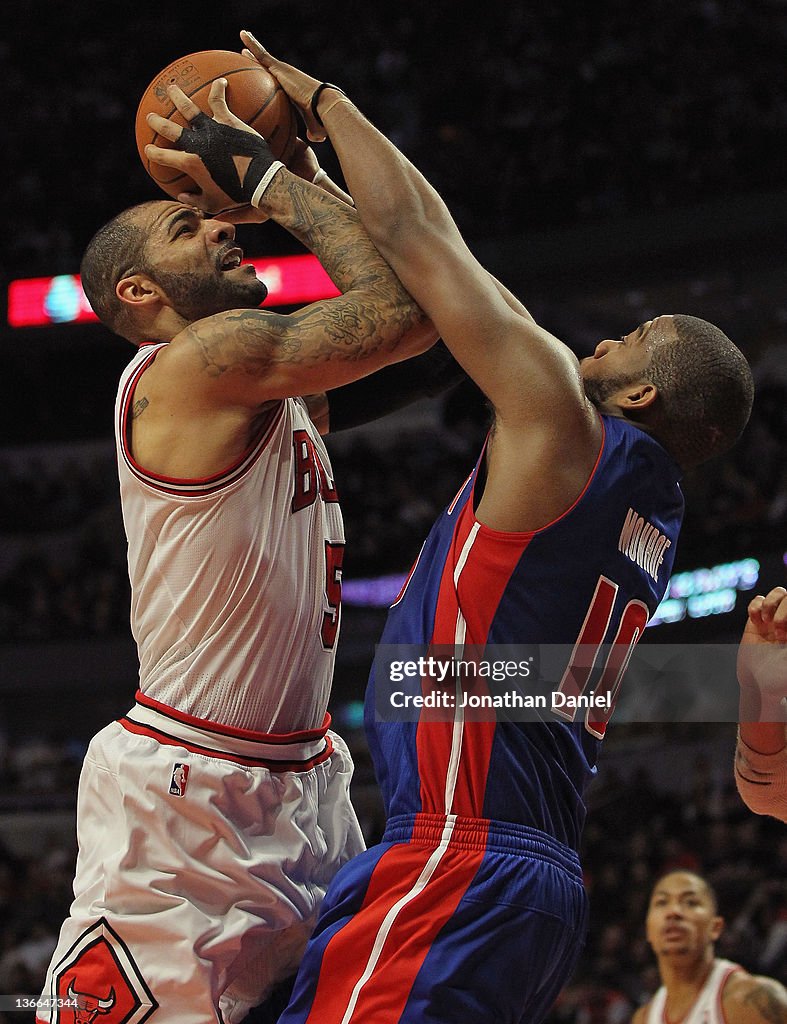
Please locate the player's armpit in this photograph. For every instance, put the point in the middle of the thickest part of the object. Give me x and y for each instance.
(317, 406)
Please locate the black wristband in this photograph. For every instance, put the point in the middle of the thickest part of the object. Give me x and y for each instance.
(216, 144)
(316, 97)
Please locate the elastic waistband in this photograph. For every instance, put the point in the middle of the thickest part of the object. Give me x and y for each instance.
(285, 752)
(482, 834)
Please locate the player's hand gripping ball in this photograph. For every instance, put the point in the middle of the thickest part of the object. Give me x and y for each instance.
(253, 95)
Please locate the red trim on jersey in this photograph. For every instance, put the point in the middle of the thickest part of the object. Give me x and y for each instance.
(407, 942)
(482, 583)
(452, 506)
(483, 579)
(409, 576)
(521, 535)
(193, 486)
(301, 736)
(732, 969)
(250, 762)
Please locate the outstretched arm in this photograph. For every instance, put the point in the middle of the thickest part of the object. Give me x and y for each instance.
(545, 427)
(498, 344)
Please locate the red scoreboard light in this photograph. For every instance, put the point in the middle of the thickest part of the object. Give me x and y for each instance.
(48, 301)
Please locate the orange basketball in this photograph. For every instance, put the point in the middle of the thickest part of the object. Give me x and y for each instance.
(253, 95)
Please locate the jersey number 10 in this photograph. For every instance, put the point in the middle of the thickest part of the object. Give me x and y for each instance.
(585, 658)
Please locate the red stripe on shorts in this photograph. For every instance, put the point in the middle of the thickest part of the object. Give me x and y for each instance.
(373, 961)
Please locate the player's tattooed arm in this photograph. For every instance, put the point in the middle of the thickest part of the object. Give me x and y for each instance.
(760, 1001)
(251, 355)
(330, 229)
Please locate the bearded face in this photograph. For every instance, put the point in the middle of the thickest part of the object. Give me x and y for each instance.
(196, 261)
(200, 292)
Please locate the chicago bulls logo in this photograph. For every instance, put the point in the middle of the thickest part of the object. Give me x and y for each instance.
(98, 982)
(88, 1007)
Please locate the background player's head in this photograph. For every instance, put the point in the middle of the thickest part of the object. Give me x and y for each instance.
(160, 265)
(683, 923)
(678, 377)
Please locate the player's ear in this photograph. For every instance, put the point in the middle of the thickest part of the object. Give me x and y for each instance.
(638, 396)
(716, 927)
(137, 289)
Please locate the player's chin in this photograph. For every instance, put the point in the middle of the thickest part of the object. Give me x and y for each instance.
(675, 949)
(241, 288)
(255, 290)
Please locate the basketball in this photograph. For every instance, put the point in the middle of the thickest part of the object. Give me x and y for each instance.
(253, 95)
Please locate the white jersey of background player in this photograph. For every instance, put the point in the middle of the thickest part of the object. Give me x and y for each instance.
(697, 987)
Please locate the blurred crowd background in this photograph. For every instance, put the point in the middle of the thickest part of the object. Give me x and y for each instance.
(608, 163)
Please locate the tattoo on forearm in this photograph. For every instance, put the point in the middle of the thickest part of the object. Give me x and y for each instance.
(333, 232)
(350, 328)
(768, 1004)
(372, 315)
(139, 407)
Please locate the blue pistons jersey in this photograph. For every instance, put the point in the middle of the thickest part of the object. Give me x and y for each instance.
(588, 580)
(472, 906)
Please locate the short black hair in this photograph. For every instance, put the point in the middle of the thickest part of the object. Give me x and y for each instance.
(116, 250)
(712, 896)
(705, 389)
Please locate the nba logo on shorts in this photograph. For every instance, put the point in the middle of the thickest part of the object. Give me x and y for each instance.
(179, 780)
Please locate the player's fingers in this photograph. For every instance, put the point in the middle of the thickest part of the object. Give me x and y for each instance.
(780, 615)
(755, 612)
(190, 198)
(297, 84)
(168, 157)
(755, 605)
(217, 98)
(257, 50)
(186, 106)
(771, 602)
(167, 129)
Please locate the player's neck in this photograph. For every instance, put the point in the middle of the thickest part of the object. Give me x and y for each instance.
(683, 983)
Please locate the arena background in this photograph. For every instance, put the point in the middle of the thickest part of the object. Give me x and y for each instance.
(607, 164)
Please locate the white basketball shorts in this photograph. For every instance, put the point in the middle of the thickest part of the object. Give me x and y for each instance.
(204, 856)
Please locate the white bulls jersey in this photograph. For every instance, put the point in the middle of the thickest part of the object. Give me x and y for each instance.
(707, 1006)
(236, 579)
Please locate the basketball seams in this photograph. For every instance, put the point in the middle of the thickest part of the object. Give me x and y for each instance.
(280, 133)
(173, 111)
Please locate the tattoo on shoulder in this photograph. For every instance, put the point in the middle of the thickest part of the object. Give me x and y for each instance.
(767, 1001)
(139, 407)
